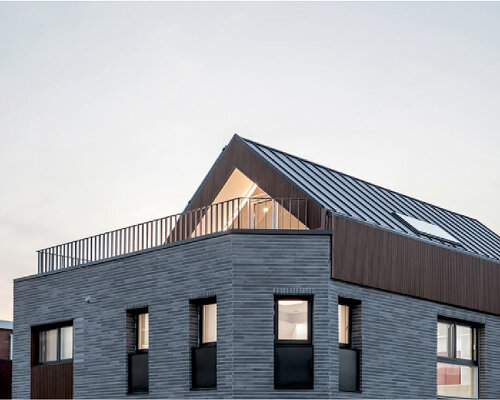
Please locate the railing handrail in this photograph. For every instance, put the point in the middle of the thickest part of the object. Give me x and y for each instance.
(173, 228)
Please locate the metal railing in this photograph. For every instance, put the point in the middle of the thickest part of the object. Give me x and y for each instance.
(238, 213)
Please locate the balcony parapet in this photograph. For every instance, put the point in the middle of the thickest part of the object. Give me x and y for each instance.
(238, 213)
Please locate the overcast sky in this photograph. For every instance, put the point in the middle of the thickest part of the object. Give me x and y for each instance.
(112, 114)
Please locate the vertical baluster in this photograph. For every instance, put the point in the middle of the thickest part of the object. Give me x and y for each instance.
(238, 204)
(305, 213)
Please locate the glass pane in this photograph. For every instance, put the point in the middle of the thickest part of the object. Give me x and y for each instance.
(48, 345)
(209, 328)
(66, 342)
(465, 341)
(344, 333)
(456, 380)
(444, 333)
(292, 320)
(143, 331)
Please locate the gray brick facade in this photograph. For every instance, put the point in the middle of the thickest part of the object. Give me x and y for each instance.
(244, 272)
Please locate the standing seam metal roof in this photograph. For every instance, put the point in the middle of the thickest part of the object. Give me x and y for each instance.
(358, 199)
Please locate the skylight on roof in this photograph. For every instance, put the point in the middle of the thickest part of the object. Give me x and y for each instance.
(427, 228)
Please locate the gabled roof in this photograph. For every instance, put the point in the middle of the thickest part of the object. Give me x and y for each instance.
(375, 205)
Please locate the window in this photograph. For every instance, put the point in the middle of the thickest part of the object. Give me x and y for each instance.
(208, 323)
(138, 357)
(204, 353)
(457, 372)
(143, 331)
(293, 320)
(349, 325)
(344, 325)
(426, 228)
(55, 344)
(293, 348)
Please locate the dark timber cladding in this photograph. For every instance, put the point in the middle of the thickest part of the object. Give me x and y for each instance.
(377, 258)
(52, 381)
(238, 154)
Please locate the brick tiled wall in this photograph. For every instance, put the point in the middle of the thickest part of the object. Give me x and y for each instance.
(244, 271)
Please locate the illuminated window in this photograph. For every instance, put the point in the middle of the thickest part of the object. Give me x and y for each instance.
(293, 319)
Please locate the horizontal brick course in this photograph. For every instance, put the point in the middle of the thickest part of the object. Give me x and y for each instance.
(244, 271)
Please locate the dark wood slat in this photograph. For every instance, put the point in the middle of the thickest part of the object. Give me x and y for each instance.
(380, 259)
(54, 381)
(239, 155)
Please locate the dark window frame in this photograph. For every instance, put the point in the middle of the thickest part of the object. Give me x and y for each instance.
(351, 303)
(36, 330)
(310, 300)
(452, 343)
(200, 304)
(343, 302)
(283, 343)
(135, 313)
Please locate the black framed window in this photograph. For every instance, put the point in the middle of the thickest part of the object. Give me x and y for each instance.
(293, 342)
(457, 359)
(344, 325)
(138, 357)
(208, 323)
(293, 320)
(349, 337)
(142, 331)
(54, 343)
(204, 355)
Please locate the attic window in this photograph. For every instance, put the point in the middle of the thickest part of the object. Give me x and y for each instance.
(426, 228)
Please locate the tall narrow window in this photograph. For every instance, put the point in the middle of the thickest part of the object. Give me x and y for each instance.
(143, 331)
(208, 323)
(204, 353)
(55, 344)
(138, 357)
(344, 324)
(457, 367)
(293, 348)
(349, 326)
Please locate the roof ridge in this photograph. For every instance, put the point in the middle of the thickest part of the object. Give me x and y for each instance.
(359, 179)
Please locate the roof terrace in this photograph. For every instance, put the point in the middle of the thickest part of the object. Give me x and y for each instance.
(241, 213)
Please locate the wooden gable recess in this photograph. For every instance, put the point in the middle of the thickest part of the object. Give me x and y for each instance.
(367, 255)
(239, 155)
(376, 258)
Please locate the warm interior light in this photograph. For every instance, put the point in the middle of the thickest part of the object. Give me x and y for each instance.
(266, 209)
(290, 302)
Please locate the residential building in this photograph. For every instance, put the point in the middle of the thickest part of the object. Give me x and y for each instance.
(281, 279)
(5, 359)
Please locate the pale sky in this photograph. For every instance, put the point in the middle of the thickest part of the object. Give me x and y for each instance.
(112, 113)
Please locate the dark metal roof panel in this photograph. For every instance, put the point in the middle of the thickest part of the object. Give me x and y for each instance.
(373, 204)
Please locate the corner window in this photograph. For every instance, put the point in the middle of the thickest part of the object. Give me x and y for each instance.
(293, 348)
(55, 344)
(457, 367)
(138, 357)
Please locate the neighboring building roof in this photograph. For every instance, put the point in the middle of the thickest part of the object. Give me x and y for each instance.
(355, 198)
(6, 325)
